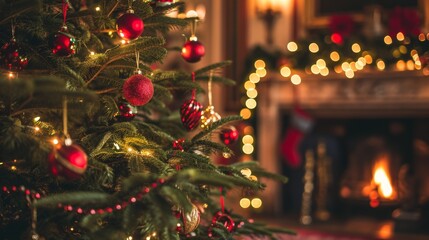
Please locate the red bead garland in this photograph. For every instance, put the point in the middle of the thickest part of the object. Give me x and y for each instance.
(92, 211)
(21, 189)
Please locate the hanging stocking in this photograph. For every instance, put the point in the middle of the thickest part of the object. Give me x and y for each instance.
(300, 124)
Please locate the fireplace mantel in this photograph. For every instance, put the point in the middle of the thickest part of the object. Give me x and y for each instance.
(368, 94)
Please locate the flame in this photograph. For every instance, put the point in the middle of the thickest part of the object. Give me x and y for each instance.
(381, 178)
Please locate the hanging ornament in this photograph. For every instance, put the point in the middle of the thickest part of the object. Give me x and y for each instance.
(68, 161)
(209, 116)
(190, 114)
(224, 219)
(129, 26)
(229, 135)
(62, 43)
(190, 220)
(191, 111)
(126, 113)
(193, 50)
(11, 56)
(138, 90)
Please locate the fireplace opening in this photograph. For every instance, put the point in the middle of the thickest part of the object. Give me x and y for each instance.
(359, 167)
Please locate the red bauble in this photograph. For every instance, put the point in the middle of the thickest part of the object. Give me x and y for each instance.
(224, 219)
(193, 51)
(129, 26)
(69, 162)
(63, 44)
(229, 135)
(127, 112)
(11, 56)
(138, 90)
(190, 114)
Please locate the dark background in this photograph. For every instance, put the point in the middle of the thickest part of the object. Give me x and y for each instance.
(329, 7)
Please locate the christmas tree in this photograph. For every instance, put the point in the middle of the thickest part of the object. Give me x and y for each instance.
(93, 144)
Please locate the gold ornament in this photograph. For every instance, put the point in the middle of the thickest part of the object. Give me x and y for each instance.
(209, 116)
(191, 220)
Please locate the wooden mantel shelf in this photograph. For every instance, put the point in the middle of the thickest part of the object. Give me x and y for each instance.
(403, 92)
(368, 94)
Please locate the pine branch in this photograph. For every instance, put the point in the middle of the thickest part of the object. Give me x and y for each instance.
(215, 125)
(150, 48)
(214, 179)
(258, 171)
(176, 197)
(213, 146)
(207, 69)
(72, 198)
(217, 79)
(17, 8)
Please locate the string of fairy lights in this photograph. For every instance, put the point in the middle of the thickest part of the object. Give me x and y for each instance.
(250, 200)
(348, 66)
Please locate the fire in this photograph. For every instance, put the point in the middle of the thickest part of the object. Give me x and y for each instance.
(381, 178)
(381, 184)
(383, 181)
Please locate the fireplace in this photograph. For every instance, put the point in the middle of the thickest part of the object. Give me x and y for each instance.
(373, 128)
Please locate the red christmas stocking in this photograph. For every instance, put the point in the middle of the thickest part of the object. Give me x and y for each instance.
(301, 123)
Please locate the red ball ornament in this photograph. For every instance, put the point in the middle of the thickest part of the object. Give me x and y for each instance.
(63, 44)
(190, 114)
(11, 56)
(138, 90)
(69, 162)
(223, 219)
(127, 112)
(193, 51)
(229, 135)
(129, 26)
